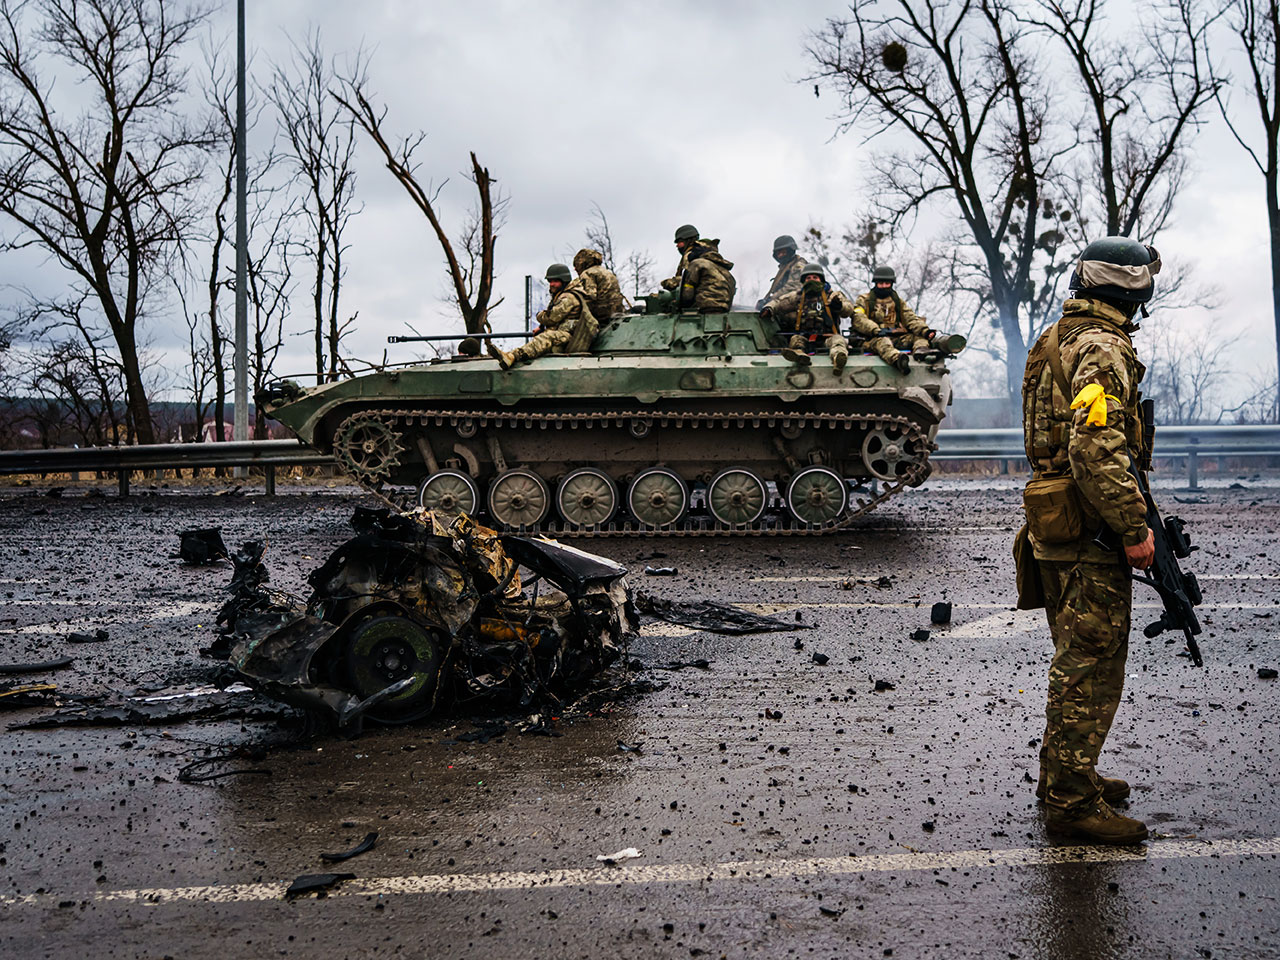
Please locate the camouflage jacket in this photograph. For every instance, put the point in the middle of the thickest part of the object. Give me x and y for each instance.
(604, 296)
(708, 285)
(672, 282)
(807, 313)
(786, 280)
(565, 308)
(882, 312)
(1095, 348)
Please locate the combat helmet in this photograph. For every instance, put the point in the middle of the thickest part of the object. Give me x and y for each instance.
(884, 273)
(586, 258)
(686, 231)
(558, 271)
(812, 269)
(1117, 268)
(784, 242)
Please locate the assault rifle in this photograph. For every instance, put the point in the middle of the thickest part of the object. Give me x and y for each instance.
(1180, 591)
(460, 336)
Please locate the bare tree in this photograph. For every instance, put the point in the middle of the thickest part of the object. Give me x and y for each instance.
(1145, 91)
(637, 273)
(201, 371)
(102, 182)
(599, 236)
(1184, 371)
(1255, 25)
(321, 147)
(471, 275)
(955, 78)
(270, 280)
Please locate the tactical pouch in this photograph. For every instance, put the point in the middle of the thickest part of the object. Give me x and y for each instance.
(1030, 585)
(1053, 510)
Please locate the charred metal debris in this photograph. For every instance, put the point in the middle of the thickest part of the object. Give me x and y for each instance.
(418, 611)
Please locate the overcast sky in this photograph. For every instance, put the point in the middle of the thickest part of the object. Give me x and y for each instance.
(661, 112)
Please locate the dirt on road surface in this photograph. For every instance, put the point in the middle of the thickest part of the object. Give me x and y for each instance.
(859, 789)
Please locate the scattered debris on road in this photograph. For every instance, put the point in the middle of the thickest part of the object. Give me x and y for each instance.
(364, 846)
(940, 614)
(711, 616)
(315, 883)
(610, 859)
(41, 667)
(98, 636)
(202, 547)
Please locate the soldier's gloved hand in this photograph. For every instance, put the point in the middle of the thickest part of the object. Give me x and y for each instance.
(836, 304)
(766, 313)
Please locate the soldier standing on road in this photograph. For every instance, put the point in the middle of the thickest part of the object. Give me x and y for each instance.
(811, 314)
(599, 283)
(1081, 427)
(898, 326)
(566, 326)
(787, 279)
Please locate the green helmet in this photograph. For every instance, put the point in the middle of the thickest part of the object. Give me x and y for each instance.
(1117, 268)
(558, 271)
(785, 242)
(687, 232)
(883, 273)
(811, 270)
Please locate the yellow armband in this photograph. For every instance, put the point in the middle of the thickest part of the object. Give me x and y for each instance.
(1095, 398)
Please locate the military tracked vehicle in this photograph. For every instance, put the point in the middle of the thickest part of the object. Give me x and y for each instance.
(674, 423)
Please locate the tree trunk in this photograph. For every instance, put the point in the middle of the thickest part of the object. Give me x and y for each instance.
(135, 391)
(318, 303)
(1015, 358)
(1273, 220)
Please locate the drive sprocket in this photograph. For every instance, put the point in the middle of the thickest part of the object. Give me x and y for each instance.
(367, 446)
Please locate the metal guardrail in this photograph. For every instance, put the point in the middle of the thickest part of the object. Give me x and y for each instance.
(1191, 442)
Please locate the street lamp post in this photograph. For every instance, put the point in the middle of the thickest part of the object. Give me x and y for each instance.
(242, 252)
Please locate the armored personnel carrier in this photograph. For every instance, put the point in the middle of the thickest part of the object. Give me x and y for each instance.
(675, 423)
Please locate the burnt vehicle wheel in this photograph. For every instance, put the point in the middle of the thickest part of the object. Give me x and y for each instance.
(384, 650)
(519, 498)
(888, 453)
(737, 496)
(449, 492)
(587, 497)
(817, 495)
(658, 497)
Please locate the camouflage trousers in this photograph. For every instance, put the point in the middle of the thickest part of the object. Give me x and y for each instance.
(1088, 606)
(884, 348)
(837, 346)
(574, 336)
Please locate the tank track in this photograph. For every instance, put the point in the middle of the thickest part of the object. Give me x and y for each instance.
(767, 526)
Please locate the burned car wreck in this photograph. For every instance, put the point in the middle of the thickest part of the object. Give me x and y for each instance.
(419, 610)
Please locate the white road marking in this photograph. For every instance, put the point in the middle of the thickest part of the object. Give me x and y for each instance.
(864, 579)
(782, 607)
(693, 873)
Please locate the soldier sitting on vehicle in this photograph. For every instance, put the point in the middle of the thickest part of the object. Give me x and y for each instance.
(599, 283)
(787, 279)
(811, 315)
(897, 325)
(566, 326)
(703, 280)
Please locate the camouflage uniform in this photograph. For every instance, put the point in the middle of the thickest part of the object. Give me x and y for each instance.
(809, 318)
(707, 283)
(1087, 589)
(671, 283)
(599, 283)
(568, 326)
(786, 280)
(907, 331)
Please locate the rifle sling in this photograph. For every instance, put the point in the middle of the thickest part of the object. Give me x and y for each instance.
(1054, 351)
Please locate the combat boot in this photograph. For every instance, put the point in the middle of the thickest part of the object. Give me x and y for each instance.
(1114, 790)
(1101, 825)
(505, 360)
(798, 357)
(838, 361)
(902, 364)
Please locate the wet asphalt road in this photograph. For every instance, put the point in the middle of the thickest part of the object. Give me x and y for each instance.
(858, 824)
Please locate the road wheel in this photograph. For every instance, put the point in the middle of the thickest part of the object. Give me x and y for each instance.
(736, 496)
(519, 498)
(383, 650)
(587, 497)
(817, 495)
(449, 493)
(658, 497)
